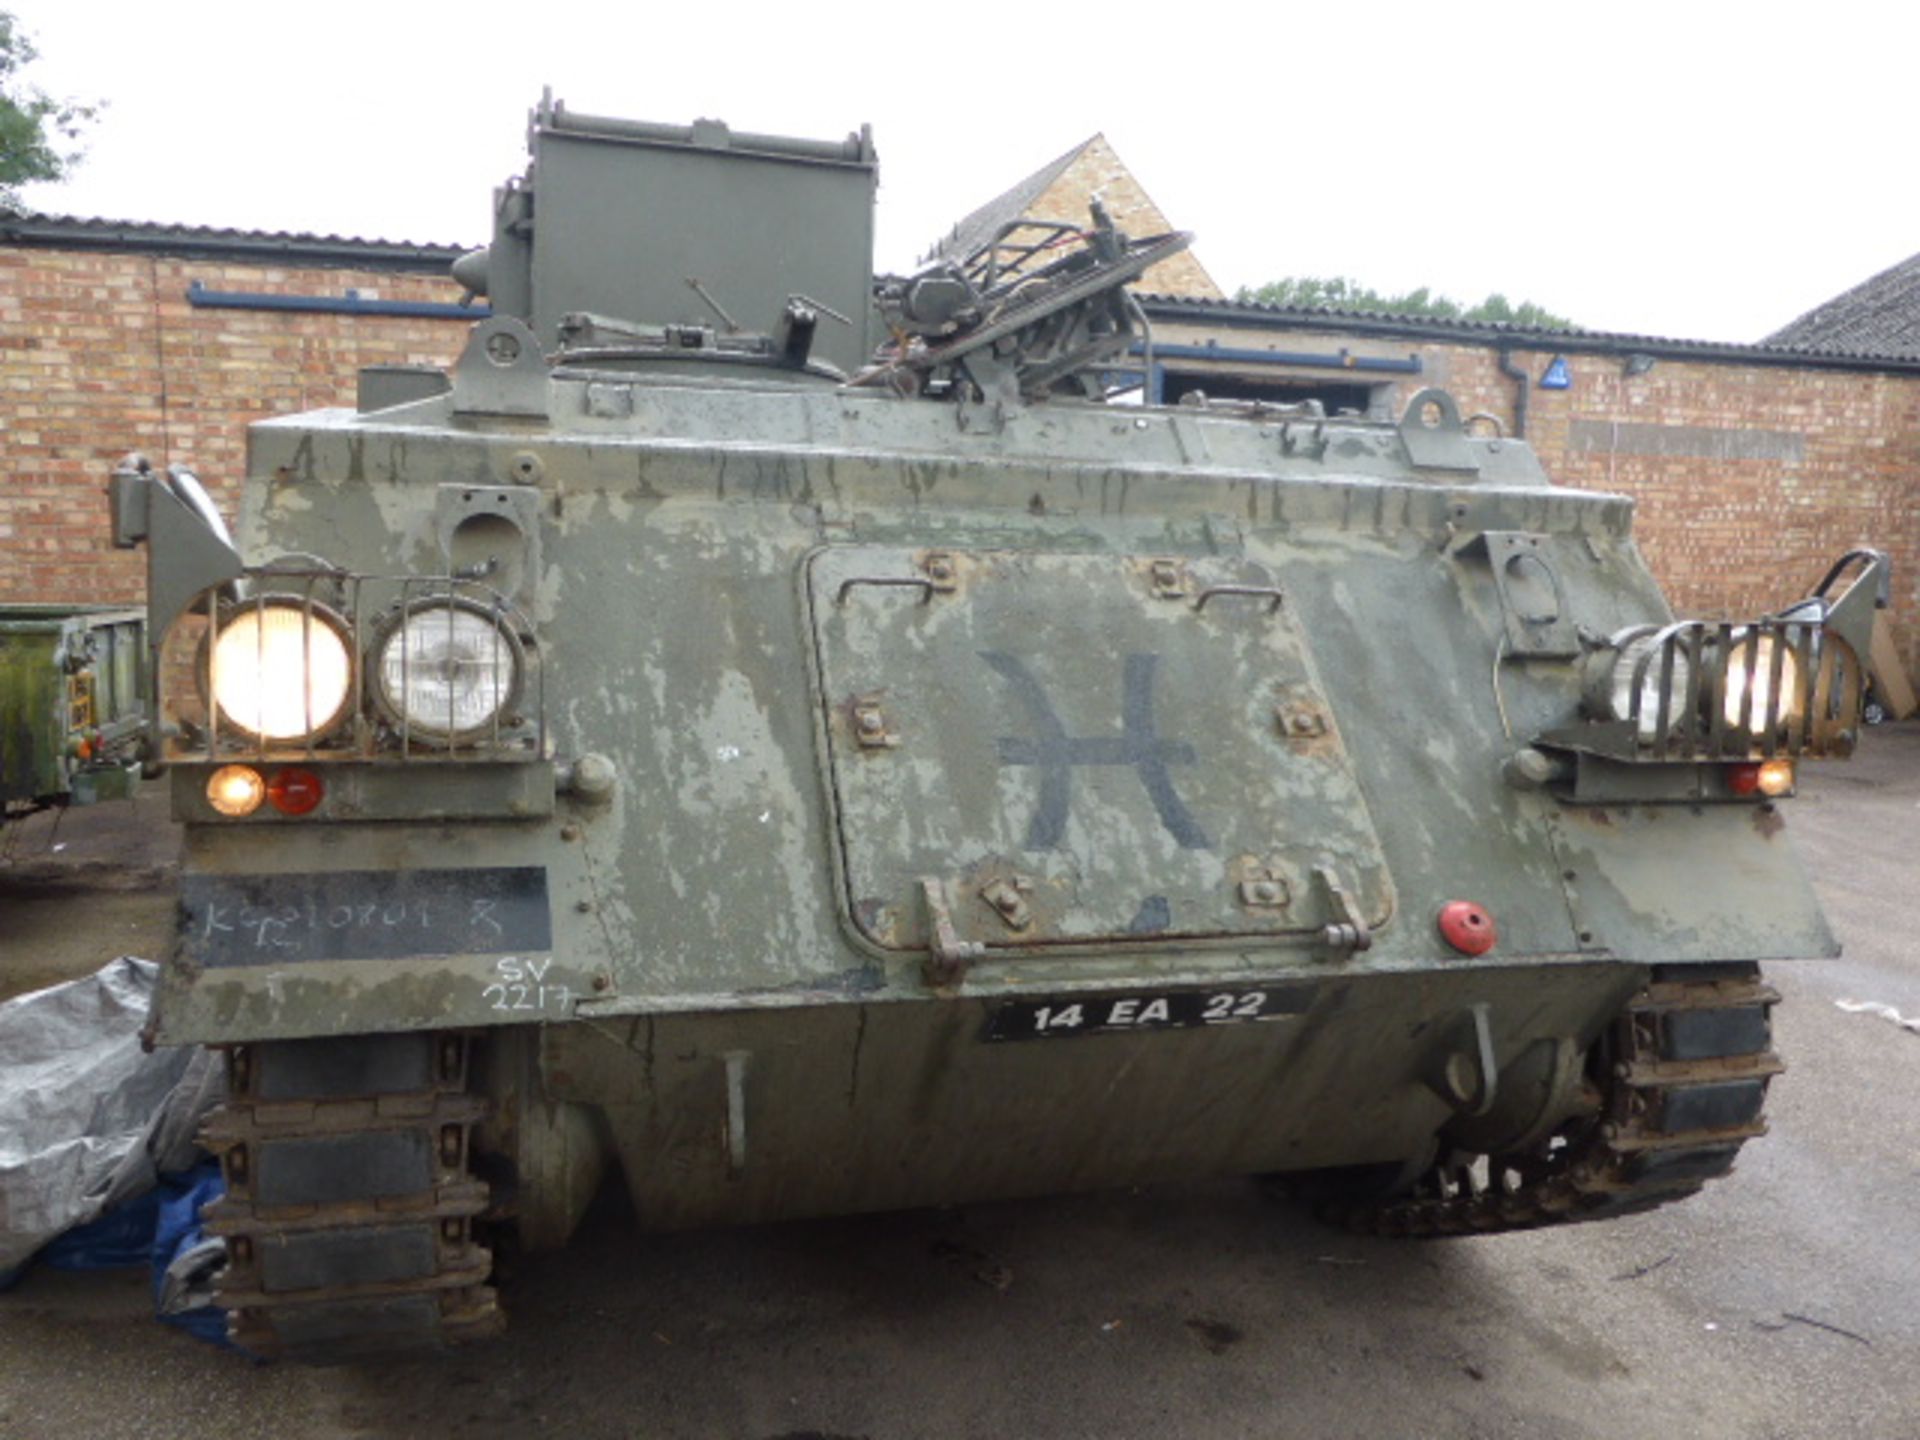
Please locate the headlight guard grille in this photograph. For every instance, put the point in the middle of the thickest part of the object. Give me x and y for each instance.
(365, 606)
(1755, 690)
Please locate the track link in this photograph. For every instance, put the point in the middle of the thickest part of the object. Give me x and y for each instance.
(1680, 1078)
(350, 1204)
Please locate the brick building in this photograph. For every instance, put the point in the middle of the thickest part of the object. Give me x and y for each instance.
(1062, 190)
(1753, 465)
(170, 340)
(1880, 314)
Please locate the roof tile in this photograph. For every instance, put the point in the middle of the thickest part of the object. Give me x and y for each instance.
(1880, 315)
(1776, 349)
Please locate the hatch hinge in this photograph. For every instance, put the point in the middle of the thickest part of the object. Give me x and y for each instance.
(1346, 933)
(950, 955)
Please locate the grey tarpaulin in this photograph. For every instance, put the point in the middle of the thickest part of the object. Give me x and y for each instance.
(88, 1119)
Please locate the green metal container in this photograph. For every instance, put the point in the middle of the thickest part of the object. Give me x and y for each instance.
(73, 699)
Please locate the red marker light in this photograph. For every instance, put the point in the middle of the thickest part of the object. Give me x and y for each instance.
(294, 791)
(1467, 927)
(1743, 779)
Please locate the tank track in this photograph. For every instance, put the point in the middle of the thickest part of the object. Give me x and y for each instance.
(350, 1206)
(1679, 1082)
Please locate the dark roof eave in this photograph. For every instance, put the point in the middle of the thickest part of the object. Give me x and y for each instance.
(59, 232)
(1496, 336)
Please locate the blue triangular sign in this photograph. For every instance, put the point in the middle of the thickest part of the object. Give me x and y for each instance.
(1558, 376)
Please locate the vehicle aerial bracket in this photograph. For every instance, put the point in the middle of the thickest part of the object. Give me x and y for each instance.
(189, 550)
(1533, 601)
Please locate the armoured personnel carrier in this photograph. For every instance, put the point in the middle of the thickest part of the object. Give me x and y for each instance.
(856, 764)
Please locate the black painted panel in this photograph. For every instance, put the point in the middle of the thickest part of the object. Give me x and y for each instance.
(363, 915)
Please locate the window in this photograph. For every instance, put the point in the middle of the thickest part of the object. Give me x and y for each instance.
(1335, 395)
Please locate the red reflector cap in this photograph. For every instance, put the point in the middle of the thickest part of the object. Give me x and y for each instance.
(1467, 927)
(294, 791)
(1743, 779)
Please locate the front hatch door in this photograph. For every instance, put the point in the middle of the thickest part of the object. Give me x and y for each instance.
(1081, 750)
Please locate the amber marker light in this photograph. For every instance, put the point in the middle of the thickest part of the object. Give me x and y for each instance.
(236, 790)
(1776, 777)
(294, 791)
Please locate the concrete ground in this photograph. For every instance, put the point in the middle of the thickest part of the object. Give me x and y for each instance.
(1784, 1302)
(80, 886)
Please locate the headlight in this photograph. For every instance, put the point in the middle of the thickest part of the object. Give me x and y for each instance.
(446, 670)
(1630, 647)
(281, 670)
(1750, 671)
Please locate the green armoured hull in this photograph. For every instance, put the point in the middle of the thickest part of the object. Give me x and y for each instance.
(689, 640)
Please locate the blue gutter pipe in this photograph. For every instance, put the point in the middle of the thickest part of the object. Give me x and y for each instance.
(199, 296)
(1338, 360)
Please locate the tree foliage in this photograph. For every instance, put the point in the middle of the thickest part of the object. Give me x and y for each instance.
(1307, 292)
(38, 133)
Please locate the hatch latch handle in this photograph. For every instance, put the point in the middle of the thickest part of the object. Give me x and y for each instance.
(925, 586)
(1270, 593)
(950, 957)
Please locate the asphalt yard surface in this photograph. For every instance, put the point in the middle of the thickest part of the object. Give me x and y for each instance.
(1783, 1302)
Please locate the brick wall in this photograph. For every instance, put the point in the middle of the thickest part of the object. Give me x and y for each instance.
(1749, 480)
(101, 353)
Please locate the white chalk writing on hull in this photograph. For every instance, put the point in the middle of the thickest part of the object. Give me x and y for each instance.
(521, 986)
(278, 927)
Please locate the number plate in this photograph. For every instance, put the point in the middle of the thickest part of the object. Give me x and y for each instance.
(1164, 1010)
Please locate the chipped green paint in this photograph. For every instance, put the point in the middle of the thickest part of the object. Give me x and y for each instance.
(33, 737)
(41, 648)
(755, 879)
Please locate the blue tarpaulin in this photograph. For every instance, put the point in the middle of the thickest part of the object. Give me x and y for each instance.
(161, 1229)
(99, 1168)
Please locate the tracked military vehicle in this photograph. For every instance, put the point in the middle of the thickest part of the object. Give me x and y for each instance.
(799, 739)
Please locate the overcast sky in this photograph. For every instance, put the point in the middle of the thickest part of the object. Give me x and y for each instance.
(1705, 171)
